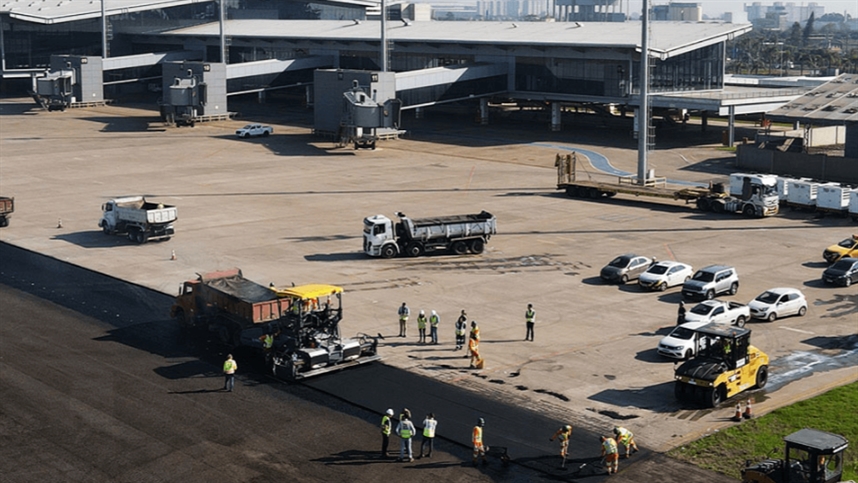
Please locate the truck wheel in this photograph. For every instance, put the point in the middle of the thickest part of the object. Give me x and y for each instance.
(106, 229)
(478, 245)
(703, 204)
(762, 376)
(718, 207)
(749, 211)
(595, 193)
(144, 237)
(414, 249)
(131, 235)
(460, 248)
(740, 321)
(714, 396)
(734, 288)
(388, 251)
(772, 316)
(265, 134)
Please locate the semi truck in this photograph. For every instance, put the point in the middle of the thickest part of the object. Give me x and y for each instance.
(753, 195)
(726, 365)
(811, 456)
(414, 237)
(7, 206)
(141, 220)
(296, 330)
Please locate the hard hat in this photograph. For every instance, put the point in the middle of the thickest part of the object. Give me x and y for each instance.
(433, 313)
(616, 429)
(422, 313)
(567, 427)
(389, 412)
(481, 422)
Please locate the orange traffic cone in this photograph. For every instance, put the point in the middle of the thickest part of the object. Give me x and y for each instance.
(172, 254)
(738, 416)
(747, 414)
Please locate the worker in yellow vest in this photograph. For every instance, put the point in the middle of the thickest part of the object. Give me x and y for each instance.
(610, 454)
(461, 327)
(229, 368)
(564, 433)
(627, 439)
(434, 320)
(405, 430)
(385, 432)
(477, 438)
(429, 425)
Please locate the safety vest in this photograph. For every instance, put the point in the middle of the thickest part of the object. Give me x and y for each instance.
(405, 429)
(268, 341)
(478, 436)
(230, 366)
(461, 325)
(404, 312)
(623, 435)
(564, 435)
(421, 321)
(429, 428)
(434, 319)
(530, 315)
(610, 446)
(385, 425)
(473, 344)
(475, 333)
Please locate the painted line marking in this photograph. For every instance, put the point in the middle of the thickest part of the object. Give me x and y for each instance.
(798, 330)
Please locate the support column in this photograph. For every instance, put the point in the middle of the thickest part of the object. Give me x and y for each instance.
(704, 120)
(484, 111)
(261, 97)
(731, 126)
(555, 116)
(418, 113)
(308, 95)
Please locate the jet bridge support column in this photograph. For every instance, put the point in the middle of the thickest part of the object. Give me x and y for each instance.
(484, 111)
(555, 116)
(731, 126)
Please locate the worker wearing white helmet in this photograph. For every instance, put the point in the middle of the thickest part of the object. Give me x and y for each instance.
(385, 432)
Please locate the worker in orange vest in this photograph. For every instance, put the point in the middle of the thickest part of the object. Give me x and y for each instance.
(611, 454)
(477, 438)
(564, 433)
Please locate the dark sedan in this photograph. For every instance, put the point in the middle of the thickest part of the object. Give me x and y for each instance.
(843, 272)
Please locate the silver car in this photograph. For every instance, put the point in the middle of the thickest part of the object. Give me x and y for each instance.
(624, 268)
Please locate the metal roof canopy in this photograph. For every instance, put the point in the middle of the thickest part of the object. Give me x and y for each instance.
(669, 38)
(833, 103)
(818, 440)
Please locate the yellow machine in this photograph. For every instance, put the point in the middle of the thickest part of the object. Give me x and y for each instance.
(846, 248)
(726, 365)
(811, 456)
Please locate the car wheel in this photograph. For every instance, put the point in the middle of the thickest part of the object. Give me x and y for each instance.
(734, 289)
(762, 376)
(662, 286)
(710, 295)
(772, 316)
(265, 134)
(625, 278)
(848, 281)
(740, 322)
(688, 354)
(802, 311)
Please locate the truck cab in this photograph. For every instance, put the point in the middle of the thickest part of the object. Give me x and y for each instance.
(379, 238)
(811, 456)
(756, 193)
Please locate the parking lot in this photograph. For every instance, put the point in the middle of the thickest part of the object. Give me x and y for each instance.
(288, 208)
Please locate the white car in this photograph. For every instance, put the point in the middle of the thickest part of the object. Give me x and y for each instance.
(254, 130)
(778, 302)
(665, 274)
(679, 343)
(719, 312)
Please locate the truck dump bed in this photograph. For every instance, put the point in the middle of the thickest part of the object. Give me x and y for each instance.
(452, 219)
(242, 298)
(139, 210)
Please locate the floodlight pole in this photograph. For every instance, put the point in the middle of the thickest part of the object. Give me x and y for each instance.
(383, 36)
(103, 30)
(222, 32)
(643, 119)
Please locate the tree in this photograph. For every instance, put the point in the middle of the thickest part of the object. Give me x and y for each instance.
(794, 37)
(808, 28)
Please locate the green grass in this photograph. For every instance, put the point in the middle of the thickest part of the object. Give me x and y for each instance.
(726, 451)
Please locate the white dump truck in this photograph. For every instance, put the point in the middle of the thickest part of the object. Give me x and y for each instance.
(413, 237)
(141, 220)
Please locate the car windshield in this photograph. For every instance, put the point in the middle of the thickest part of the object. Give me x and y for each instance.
(682, 333)
(767, 297)
(847, 243)
(704, 276)
(657, 269)
(620, 262)
(249, 126)
(702, 309)
(842, 265)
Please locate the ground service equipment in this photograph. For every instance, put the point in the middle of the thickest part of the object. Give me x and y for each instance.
(811, 456)
(304, 333)
(141, 220)
(414, 237)
(754, 195)
(726, 365)
(7, 206)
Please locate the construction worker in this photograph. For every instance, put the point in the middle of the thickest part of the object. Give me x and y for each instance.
(564, 433)
(429, 425)
(385, 432)
(421, 327)
(477, 439)
(229, 368)
(404, 312)
(530, 320)
(461, 327)
(474, 345)
(267, 342)
(627, 439)
(434, 320)
(405, 430)
(610, 455)
(680, 314)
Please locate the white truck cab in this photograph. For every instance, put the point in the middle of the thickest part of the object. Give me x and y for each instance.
(378, 236)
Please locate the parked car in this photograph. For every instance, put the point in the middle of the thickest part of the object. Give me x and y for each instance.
(843, 272)
(254, 130)
(624, 268)
(680, 342)
(659, 276)
(778, 302)
(846, 248)
(719, 312)
(711, 281)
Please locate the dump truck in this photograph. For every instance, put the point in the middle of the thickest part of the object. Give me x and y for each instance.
(726, 365)
(753, 195)
(138, 218)
(414, 237)
(811, 456)
(7, 206)
(296, 330)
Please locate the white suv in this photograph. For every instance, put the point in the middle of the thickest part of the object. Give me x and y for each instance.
(711, 281)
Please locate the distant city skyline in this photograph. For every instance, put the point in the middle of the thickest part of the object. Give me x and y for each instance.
(714, 8)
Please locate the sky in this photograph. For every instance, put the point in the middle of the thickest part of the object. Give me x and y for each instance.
(714, 8)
